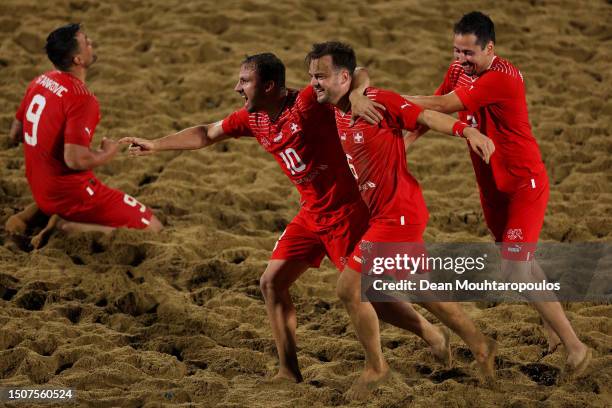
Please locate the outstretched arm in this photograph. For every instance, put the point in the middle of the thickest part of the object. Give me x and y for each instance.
(192, 138)
(448, 103)
(440, 122)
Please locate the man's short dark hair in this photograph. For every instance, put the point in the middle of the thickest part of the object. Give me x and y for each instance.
(342, 54)
(62, 45)
(268, 67)
(478, 24)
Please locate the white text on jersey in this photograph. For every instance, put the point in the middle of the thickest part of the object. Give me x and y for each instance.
(51, 85)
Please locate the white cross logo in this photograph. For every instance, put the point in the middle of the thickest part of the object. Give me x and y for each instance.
(294, 128)
(343, 136)
(358, 137)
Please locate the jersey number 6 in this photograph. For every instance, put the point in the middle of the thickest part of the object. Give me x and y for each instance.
(33, 115)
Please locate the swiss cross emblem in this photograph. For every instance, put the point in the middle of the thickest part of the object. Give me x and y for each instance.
(294, 128)
(358, 137)
(514, 234)
(343, 136)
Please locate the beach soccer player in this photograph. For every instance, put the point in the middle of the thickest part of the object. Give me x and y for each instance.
(489, 94)
(57, 119)
(375, 154)
(301, 134)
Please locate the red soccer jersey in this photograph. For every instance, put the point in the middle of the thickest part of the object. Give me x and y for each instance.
(57, 109)
(496, 105)
(304, 141)
(376, 155)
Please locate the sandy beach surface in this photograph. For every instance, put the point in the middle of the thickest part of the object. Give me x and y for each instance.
(177, 319)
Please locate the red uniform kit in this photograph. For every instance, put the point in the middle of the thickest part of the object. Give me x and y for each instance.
(58, 109)
(377, 158)
(304, 141)
(514, 188)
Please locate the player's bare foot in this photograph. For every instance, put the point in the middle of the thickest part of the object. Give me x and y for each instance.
(287, 375)
(442, 350)
(551, 338)
(15, 225)
(486, 362)
(577, 363)
(367, 382)
(40, 239)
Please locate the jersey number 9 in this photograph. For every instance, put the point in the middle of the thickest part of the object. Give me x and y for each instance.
(33, 115)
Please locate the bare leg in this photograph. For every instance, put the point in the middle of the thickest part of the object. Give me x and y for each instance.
(39, 239)
(18, 223)
(69, 227)
(551, 336)
(578, 354)
(275, 283)
(483, 348)
(364, 319)
(404, 316)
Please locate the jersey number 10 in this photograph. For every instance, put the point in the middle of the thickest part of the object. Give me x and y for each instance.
(33, 115)
(292, 161)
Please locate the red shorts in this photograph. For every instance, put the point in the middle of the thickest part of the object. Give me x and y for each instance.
(515, 219)
(96, 203)
(300, 241)
(380, 231)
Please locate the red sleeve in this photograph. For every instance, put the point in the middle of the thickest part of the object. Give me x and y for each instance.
(399, 112)
(493, 87)
(237, 124)
(446, 86)
(82, 117)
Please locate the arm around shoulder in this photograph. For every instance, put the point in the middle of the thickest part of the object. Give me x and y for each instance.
(448, 103)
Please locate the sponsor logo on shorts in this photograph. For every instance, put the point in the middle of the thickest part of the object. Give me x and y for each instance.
(514, 248)
(514, 234)
(356, 258)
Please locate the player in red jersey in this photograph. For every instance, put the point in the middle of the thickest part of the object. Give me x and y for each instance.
(301, 135)
(57, 119)
(489, 93)
(375, 154)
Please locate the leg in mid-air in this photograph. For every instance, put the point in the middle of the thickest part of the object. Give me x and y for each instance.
(483, 348)
(403, 315)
